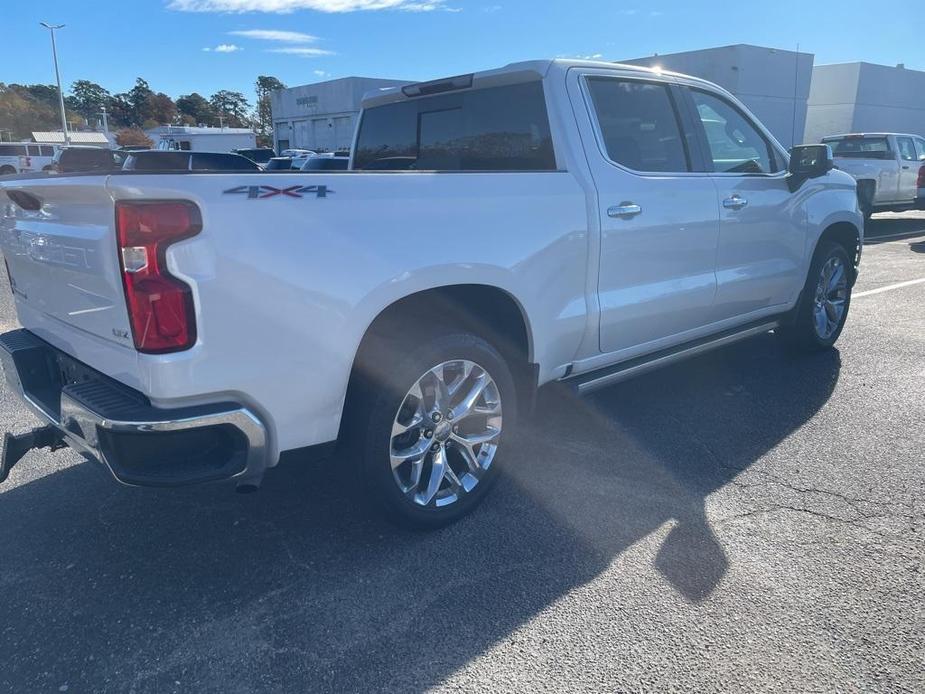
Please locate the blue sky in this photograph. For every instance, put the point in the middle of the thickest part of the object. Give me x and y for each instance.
(165, 40)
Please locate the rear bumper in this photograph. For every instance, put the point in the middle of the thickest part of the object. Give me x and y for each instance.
(140, 444)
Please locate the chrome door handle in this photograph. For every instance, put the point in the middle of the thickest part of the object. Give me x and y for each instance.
(735, 203)
(624, 210)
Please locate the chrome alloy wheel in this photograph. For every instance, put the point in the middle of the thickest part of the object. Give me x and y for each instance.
(446, 433)
(830, 298)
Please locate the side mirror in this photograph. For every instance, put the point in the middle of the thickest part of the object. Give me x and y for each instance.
(809, 161)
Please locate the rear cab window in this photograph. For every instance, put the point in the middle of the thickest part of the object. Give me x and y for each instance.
(860, 147)
(502, 128)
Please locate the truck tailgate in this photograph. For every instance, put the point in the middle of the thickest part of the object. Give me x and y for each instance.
(62, 258)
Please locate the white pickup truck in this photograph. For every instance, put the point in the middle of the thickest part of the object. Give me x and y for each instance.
(549, 221)
(888, 167)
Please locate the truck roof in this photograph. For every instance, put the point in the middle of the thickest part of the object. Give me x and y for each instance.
(511, 74)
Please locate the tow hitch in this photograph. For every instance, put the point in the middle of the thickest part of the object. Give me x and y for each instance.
(15, 446)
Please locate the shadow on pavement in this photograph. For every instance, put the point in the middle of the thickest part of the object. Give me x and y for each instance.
(891, 227)
(292, 589)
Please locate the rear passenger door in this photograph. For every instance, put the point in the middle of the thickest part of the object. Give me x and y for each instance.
(658, 222)
(759, 258)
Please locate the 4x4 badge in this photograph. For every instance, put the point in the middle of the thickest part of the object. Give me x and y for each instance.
(264, 191)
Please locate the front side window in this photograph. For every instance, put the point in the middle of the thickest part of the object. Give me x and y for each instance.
(734, 144)
(906, 149)
(638, 124)
(493, 129)
(920, 148)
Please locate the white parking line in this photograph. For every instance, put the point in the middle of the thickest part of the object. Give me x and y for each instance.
(889, 287)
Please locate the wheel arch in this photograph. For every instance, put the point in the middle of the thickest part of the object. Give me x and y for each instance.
(848, 236)
(486, 310)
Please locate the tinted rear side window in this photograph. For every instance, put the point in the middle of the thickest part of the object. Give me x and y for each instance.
(12, 150)
(493, 129)
(639, 124)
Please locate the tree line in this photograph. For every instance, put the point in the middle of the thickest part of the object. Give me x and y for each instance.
(25, 108)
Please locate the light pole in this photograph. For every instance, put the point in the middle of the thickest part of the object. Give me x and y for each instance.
(54, 52)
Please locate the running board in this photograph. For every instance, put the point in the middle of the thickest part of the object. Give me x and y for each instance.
(587, 382)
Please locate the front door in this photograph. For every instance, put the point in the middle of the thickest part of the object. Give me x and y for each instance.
(659, 224)
(762, 238)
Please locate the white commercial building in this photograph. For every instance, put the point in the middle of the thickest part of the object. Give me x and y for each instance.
(774, 84)
(863, 97)
(321, 116)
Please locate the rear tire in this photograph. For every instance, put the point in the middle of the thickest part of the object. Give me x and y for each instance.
(7, 170)
(422, 457)
(822, 310)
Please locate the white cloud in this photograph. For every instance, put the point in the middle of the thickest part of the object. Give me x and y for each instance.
(275, 35)
(224, 48)
(301, 51)
(287, 6)
(320, 73)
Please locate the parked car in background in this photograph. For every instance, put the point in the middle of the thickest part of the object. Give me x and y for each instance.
(258, 155)
(82, 158)
(326, 162)
(584, 228)
(158, 160)
(23, 157)
(888, 167)
(284, 164)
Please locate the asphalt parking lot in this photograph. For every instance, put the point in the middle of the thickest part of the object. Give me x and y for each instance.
(745, 521)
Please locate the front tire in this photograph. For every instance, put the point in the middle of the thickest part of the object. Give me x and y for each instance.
(429, 417)
(822, 310)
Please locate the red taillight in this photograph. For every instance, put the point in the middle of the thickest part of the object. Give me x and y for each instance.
(160, 306)
(921, 183)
